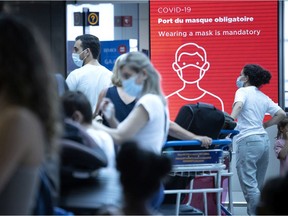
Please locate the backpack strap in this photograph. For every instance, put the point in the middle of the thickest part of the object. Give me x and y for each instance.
(61, 84)
(44, 203)
(206, 105)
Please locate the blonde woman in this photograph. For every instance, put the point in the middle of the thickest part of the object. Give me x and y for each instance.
(148, 122)
(120, 99)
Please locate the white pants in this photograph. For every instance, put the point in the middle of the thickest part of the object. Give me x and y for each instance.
(252, 157)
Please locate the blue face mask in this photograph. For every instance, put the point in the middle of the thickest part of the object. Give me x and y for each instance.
(131, 87)
(76, 59)
(239, 83)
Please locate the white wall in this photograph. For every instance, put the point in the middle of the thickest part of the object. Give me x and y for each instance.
(125, 33)
(105, 29)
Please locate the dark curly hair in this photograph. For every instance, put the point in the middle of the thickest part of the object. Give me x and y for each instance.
(92, 42)
(257, 75)
(141, 171)
(73, 101)
(271, 200)
(280, 126)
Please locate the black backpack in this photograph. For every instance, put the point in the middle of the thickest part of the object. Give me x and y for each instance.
(80, 156)
(201, 118)
(44, 203)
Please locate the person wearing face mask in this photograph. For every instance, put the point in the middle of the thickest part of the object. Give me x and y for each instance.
(119, 98)
(148, 122)
(252, 143)
(91, 77)
(141, 81)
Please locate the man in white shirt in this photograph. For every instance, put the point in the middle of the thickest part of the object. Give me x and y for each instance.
(91, 77)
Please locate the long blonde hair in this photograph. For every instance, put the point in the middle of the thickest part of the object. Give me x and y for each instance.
(138, 61)
(116, 79)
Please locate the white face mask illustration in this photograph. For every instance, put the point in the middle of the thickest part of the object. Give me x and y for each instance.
(190, 63)
(193, 71)
(131, 87)
(239, 83)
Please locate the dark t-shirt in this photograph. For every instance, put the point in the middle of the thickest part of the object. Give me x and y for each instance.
(122, 110)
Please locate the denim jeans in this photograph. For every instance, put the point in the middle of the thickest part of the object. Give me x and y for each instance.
(252, 157)
(157, 198)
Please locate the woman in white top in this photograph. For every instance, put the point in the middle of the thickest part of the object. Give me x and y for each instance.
(252, 154)
(148, 122)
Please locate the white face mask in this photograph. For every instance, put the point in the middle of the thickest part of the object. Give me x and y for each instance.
(131, 87)
(76, 59)
(239, 83)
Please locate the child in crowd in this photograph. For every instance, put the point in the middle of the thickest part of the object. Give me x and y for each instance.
(141, 174)
(77, 108)
(271, 200)
(281, 145)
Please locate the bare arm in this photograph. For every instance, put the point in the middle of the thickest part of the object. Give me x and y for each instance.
(22, 143)
(108, 110)
(237, 107)
(129, 127)
(113, 122)
(279, 115)
(178, 132)
(284, 151)
(100, 98)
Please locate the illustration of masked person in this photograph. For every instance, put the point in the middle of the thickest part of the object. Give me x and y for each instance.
(191, 65)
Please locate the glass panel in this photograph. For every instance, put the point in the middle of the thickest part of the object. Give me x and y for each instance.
(285, 51)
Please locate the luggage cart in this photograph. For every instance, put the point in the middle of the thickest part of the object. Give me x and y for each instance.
(229, 134)
(205, 162)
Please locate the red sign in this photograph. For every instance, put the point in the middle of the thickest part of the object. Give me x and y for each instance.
(122, 49)
(200, 47)
(123, 21)
(127, 21)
